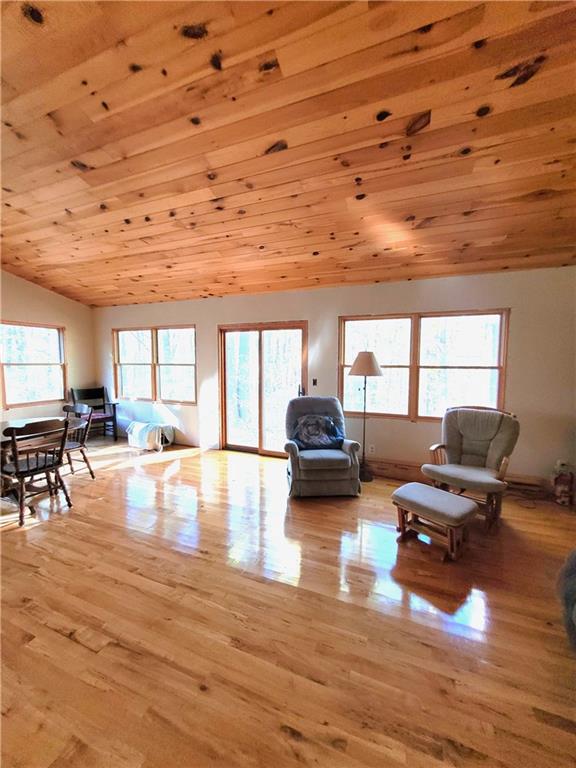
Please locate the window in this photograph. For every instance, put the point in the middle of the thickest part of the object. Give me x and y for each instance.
(33, 368)
(429, 362)
(156, 364)
(389, 339)
(135, 370)
(176, 364)
(459, 362)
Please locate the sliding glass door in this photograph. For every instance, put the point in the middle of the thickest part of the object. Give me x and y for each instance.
(281, 373)
(263, 367)
(242, 385)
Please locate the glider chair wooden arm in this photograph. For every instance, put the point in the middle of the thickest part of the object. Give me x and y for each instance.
(503, 467)
(473, 456)
(438, 453)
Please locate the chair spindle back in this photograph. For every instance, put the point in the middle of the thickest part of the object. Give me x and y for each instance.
(38, 444)
(78, 431)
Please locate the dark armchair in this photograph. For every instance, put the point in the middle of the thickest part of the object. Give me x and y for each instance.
(103, 409)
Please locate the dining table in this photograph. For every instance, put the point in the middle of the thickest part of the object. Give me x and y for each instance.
(7, 423)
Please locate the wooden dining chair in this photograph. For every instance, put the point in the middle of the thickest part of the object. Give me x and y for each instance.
(36, 449)
(79, 418)
(104, 410)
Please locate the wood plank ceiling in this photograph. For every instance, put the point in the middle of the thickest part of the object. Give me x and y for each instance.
(163, 150)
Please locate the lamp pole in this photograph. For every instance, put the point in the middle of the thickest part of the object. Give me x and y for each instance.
(365, 365)
(364, 429)
(365, 474)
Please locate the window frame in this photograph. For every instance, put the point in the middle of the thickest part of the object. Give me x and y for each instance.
(414, 366)
(154, 364)
(342, 320)
(63, 366)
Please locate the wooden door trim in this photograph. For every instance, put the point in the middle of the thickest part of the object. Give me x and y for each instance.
(260, 391)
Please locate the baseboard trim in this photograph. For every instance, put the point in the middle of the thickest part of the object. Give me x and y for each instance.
(410, 471)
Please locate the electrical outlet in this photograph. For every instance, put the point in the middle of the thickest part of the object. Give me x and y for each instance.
(371, 450)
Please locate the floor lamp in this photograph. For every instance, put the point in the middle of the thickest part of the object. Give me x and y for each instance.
(365, 365)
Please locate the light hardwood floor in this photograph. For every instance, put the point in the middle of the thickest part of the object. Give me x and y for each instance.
(183, 614)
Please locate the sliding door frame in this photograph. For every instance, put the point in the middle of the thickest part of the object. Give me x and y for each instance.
(301, 325)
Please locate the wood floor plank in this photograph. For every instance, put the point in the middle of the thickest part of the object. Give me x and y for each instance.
(207, 618)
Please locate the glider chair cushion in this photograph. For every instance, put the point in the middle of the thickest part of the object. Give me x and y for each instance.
(473, 478)
(479, 437)
(474, 453)
(321, 471)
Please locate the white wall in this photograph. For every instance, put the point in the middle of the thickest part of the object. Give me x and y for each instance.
(23, 301)
(541, 377)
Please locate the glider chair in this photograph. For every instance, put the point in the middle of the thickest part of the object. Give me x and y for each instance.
(321, 461)
(473, 456)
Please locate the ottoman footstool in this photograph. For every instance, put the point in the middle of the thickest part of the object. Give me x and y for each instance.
(439, 514)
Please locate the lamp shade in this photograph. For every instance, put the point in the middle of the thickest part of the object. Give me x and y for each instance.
(365, 365)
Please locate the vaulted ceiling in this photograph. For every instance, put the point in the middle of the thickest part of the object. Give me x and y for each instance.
(165, 150)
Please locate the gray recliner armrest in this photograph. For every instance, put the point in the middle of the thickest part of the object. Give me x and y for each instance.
(351, 447)
(291, 448)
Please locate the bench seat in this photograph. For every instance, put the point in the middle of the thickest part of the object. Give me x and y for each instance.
(439, 514)
(434, 504)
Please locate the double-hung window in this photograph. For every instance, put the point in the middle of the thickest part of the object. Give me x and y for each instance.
(156, 364)
(389, 339)
(429, 362)
(460, 362)
(134, 368)
(33, 365)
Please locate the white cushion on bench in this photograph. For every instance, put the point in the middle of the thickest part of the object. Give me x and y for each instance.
(434, 504)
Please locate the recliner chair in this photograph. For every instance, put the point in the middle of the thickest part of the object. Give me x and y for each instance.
(474, 454)
(321, 471)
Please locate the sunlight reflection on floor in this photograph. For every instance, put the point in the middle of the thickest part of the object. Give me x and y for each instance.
(355, 557)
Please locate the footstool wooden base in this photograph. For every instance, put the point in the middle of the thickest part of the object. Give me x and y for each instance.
(441, 515)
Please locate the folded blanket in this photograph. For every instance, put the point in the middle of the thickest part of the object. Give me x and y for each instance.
(150, 437)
